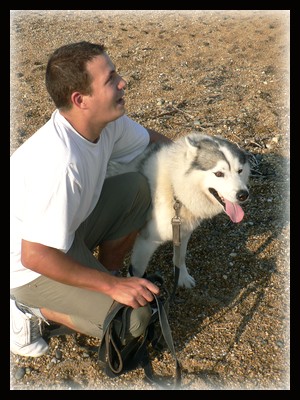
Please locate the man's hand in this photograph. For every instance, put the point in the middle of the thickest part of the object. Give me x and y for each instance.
(133, 291)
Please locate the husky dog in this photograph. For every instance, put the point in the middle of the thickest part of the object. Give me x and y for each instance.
(204, 175)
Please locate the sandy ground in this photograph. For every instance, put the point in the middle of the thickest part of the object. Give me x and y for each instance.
(221, 72)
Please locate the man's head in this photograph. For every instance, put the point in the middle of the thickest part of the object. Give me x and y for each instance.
(67, 73)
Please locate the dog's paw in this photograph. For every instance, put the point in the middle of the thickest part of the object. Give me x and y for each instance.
(186, 281)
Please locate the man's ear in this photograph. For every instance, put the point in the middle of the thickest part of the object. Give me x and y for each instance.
(77, 100)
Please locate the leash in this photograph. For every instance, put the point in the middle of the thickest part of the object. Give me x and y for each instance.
(176, 222)
(166, 331)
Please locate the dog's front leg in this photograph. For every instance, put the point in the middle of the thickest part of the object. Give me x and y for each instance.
(141, 254)
(179, 255)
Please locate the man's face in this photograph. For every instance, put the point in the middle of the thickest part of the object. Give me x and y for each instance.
(106, 104)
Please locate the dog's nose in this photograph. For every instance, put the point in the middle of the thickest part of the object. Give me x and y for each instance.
(242, 195)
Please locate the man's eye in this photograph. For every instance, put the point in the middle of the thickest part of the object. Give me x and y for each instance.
(111, 77)
(219, 174)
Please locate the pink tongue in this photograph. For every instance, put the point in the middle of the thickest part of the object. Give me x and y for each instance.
(234, 211)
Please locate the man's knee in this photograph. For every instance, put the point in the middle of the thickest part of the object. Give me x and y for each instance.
(140, 185)
(141, 200)
(139, 320)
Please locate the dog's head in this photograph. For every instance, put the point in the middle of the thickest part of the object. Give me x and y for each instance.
(225, 172)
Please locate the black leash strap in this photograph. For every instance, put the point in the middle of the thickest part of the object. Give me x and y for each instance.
(110, 354)
(166, 331)
(107, 343)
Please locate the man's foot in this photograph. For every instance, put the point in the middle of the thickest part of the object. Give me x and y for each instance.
(25, 333)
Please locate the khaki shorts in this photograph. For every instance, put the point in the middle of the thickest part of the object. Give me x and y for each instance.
(123, 207)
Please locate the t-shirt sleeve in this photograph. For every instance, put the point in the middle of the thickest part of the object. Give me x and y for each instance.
(132, 140)
(50, 212)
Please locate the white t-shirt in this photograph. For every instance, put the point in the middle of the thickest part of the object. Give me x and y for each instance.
(56, 180)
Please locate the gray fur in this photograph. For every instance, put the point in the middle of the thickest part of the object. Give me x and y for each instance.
(209, 152)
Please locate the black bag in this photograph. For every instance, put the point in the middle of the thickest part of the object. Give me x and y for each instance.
(116, 358)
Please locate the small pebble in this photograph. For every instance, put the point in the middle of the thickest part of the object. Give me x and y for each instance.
(20, 373)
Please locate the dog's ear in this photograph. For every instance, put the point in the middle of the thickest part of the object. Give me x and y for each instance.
(194, 140)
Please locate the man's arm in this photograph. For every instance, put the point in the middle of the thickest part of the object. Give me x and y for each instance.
(157, 137)
(56, 265)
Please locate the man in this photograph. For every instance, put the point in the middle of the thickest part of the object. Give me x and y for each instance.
(62, 207)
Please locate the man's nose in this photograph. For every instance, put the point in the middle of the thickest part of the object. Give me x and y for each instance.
(122, 84)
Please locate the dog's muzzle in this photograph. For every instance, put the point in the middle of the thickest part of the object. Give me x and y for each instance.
(233, 210)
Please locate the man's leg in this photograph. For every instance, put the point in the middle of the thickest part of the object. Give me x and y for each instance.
(123, 208)
(113, 252)
(81, 310)
(124, 204)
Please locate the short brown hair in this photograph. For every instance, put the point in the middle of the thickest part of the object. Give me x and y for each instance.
(66, 71)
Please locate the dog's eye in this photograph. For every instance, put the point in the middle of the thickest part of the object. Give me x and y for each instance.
(219, 174)
(240, 171)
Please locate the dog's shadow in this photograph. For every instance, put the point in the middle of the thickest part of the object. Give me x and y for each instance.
(233, 265)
